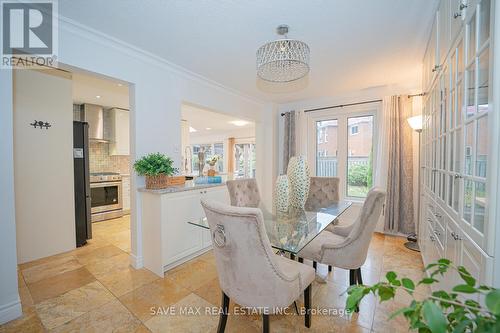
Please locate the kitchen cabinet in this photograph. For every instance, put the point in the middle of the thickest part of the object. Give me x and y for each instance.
(456, 148)
(168, 239)
(119, 132)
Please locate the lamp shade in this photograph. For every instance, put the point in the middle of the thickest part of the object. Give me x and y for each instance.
(415, 123)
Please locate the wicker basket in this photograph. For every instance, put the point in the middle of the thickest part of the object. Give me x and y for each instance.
(163, 181)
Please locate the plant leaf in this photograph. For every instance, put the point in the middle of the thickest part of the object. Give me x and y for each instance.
(493, 301)
(385, 293)
(434, 317)
(427, 281)
(465, 275)
(391, 276)
(465, 288)
(408, 284)
(444, 261)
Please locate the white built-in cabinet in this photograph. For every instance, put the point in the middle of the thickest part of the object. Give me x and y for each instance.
(119, 132)
(168, 239)
(456, 148)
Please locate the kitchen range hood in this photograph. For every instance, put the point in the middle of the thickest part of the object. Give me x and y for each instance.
(94, 115)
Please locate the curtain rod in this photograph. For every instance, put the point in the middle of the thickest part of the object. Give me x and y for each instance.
(351, 104)
(343, 105)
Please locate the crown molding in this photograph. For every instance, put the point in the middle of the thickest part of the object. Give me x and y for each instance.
(87, 32)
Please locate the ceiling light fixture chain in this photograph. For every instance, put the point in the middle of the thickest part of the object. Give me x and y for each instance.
(283, 60)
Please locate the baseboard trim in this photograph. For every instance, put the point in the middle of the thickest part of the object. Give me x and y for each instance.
(10, 311)
(186, 259)
(136, 262)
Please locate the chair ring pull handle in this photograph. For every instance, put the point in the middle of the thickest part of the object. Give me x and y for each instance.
(219, 236)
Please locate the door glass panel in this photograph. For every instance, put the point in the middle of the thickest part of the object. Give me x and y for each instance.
(359, 156)
(480, 206)
(456, 193)
(452, 111)
(450, 190)
(458, 142)
(484, 21)
(219, 150)
(483, 82)
(326, 148)
(471, 48)
(468, 201)
(471, 89)
(482, 147)
(460, 103)
(443, 186)
(469, 143)
(451, 160)
(460, 59)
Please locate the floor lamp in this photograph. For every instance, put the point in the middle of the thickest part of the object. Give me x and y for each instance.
(416, 124)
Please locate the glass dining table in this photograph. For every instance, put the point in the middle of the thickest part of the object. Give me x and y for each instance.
(291, 231)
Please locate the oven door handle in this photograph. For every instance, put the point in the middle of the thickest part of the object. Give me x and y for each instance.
(105, 184)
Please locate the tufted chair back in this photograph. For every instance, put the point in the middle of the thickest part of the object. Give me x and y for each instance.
(249, 272)
(323, 192)
(243, 192)
(351, 252)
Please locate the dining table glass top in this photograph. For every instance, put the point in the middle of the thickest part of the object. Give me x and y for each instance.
(291, 231)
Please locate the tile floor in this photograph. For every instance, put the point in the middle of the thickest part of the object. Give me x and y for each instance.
(93, 289)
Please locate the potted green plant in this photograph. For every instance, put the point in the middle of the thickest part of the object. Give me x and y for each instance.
(158, 170)
(442, 311)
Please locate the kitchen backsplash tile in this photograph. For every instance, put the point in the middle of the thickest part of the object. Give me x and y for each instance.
(101, 161)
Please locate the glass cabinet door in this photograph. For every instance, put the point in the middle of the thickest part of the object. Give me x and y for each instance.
(475, 127)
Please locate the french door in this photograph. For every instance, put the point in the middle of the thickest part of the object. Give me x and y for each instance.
(341, 143)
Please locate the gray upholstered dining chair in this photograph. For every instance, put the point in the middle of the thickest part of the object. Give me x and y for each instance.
(323, 191)
(347, 246)
(243, 192)
(249, 272)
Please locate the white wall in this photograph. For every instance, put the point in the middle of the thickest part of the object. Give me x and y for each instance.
(10, 306)
(158, 89)
(43, 161)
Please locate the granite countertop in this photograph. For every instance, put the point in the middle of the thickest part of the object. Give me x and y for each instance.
(188, 186)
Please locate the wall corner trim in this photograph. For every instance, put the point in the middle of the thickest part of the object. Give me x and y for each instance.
(10, 311)
(136, 261)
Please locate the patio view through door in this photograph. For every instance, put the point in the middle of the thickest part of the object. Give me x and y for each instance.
(341, 144)
(244, 154)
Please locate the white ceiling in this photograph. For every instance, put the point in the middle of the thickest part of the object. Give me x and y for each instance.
(209, 123)
(355, 44)
(87, 87)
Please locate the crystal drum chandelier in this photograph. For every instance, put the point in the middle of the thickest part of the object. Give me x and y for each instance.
(283, 60)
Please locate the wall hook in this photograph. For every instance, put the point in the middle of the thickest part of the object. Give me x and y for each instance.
(41, 124)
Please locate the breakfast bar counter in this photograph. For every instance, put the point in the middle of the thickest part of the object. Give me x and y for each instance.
(167, 237)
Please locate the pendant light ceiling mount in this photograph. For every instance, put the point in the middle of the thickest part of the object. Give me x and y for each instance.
(283, 60)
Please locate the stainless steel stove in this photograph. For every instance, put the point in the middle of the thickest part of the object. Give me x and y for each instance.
(106, 196)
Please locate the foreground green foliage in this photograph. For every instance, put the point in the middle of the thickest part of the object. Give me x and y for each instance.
(442, 311)
(155, 164)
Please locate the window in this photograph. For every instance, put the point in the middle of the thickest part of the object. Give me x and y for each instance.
(326, 161)
(359, 161)
(354, 129)
(348, 152)
(244, 160)
(210, 149)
